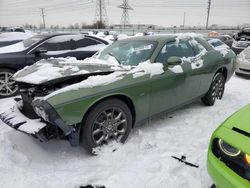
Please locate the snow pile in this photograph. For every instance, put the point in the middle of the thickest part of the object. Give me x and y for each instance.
(147, 68)
(144, 161)
(13, 36)
(18, 47)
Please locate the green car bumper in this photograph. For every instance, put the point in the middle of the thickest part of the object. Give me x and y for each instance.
(229, 149)
(223, 176)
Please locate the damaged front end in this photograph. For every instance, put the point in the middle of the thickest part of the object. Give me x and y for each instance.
(35, 116)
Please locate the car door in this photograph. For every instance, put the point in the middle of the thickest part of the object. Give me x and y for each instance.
(85, 47)
(58, 46)
(178, 84)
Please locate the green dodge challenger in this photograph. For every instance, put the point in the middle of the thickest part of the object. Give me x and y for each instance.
(229, 152)
(100, 99)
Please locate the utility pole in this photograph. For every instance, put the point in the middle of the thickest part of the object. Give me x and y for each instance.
(184, 19)
(208, 12)
(101, 13)
(125, 16)
(43, 16)
(100, 1)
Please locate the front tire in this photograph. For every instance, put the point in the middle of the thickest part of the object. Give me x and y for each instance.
(215, 91)
(8, 87)
(108, 120)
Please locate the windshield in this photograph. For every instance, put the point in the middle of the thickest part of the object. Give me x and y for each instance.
(32, 40)
(129, 52)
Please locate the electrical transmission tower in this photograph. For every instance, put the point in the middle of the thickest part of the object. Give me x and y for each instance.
(101, 13)
(208, 12)
(125, 16)
(43, 16)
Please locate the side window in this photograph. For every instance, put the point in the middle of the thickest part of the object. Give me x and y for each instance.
(58, 43)
(198, 48)
(180, 49)
(86, 42)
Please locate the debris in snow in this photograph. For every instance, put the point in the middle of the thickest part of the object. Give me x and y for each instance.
(92, 186)
(183, 160)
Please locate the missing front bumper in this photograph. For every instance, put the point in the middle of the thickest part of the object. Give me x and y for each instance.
(53, 127)
(14, 118)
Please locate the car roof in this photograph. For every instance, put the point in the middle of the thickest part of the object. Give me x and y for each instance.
(163, 37)
(159, 37)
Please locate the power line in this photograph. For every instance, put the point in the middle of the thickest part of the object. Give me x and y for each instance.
(208, 12)
(101, 13)
(125, 16)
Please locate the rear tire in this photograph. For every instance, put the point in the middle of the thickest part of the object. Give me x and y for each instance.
(8, 87)
(108, 120)
(215, 91)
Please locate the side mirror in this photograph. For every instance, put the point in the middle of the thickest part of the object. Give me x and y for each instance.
(174, 61)
(41, 51)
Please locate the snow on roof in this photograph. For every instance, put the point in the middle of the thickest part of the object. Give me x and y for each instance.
(13, 36)
(65, 38)
(83, 49)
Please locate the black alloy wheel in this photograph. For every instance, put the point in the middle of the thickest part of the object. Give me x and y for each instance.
(215, 91)
(109, 120)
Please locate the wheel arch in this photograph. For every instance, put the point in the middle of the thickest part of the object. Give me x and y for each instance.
(124, 98)
(7, 67)
(224, 71)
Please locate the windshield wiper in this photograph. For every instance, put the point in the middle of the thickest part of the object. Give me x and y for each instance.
(110, 53)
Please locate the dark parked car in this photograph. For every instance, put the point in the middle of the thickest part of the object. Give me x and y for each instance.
(27, 52)
(227, 39)
(242, 40)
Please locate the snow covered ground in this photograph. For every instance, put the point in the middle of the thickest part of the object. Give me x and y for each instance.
(143, 162)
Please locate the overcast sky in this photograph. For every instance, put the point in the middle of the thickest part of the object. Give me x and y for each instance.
(158, 12)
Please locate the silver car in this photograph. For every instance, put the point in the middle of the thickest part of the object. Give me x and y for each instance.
(243, 63)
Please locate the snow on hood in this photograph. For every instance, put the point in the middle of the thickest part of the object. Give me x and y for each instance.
(17, 47)
(141, 69)
(50, 69)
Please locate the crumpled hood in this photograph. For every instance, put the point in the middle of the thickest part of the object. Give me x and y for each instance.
(240, 120)
(55, 68)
